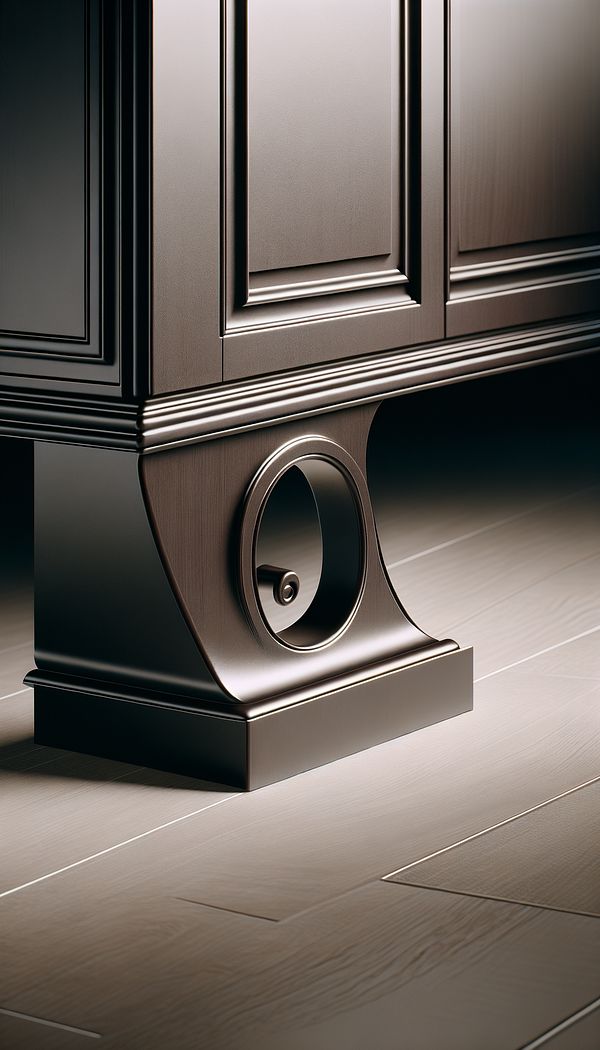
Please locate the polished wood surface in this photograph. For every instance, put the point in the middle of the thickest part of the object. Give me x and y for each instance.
(60, 111)
(334, 192)
(527, 84)
(524, 161)
(324, 193)
(185, 94)
(45, 254)
(209, 192)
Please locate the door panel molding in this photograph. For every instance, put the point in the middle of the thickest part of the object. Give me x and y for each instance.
(85, 338)
(521, 129)
(325, 176)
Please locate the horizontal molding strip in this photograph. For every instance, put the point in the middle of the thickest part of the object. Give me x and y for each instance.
(271, 399)
(326, 286)
(245, 405)
(72, 420)
(560, 260)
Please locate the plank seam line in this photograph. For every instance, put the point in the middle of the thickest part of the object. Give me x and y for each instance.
(493, 827)
(50, 1024)
(567, 1023)
(541, 652)
(472, 895)
(229, 911)
(525, 589)
(117, 845)
(19, 692)
(489, 528)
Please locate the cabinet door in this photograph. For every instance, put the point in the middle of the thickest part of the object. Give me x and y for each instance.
(524, 158)
(58, 215)
(333, 179)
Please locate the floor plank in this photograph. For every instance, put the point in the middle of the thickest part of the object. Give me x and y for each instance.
(549, 858)
(560, 607)
(486, 521)
(386, 966)
(14, 665)
(413, 523)
(581, 659)
(19, 1034)
(316, 836)
(57, 807)
(27, 1032)
(78, 819)
(514, 590)
(296, 844)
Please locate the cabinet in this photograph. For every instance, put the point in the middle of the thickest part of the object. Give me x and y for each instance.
(229, 230)
(193, 193)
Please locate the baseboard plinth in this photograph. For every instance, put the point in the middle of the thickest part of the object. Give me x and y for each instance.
(237, 747)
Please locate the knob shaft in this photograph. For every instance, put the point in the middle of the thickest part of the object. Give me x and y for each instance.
(285, 583)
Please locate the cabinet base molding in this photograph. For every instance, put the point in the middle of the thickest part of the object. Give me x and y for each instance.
(158, 423)
(243, 748)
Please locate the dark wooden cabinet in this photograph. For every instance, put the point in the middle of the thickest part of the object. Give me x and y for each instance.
(193, 193)
(229, 230)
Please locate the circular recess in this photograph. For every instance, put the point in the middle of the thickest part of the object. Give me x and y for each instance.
(306, 552)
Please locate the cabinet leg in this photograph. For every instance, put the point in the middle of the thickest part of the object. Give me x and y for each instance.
(223, 610)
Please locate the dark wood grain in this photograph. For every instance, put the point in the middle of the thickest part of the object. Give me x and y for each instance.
(524, 162)
(43, 233)
(186, 344)
(334, 234)
(527, 85)
(60, 185)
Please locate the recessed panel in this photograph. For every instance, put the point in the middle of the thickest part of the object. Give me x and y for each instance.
(320, 130)
(43, 170)
(525, 88)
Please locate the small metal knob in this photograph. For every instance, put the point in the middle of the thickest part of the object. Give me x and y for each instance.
(285, 583)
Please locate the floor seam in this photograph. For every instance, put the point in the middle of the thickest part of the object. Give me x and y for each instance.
(116, 846)
(493, 827)
(228, 911)
(492, 897)
(489, 528)
(541, 652)
(459, 624)
(568, 1022)
(49, 1024)
(19, 692)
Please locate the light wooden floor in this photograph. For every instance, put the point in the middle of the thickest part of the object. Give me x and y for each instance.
(439, 892)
